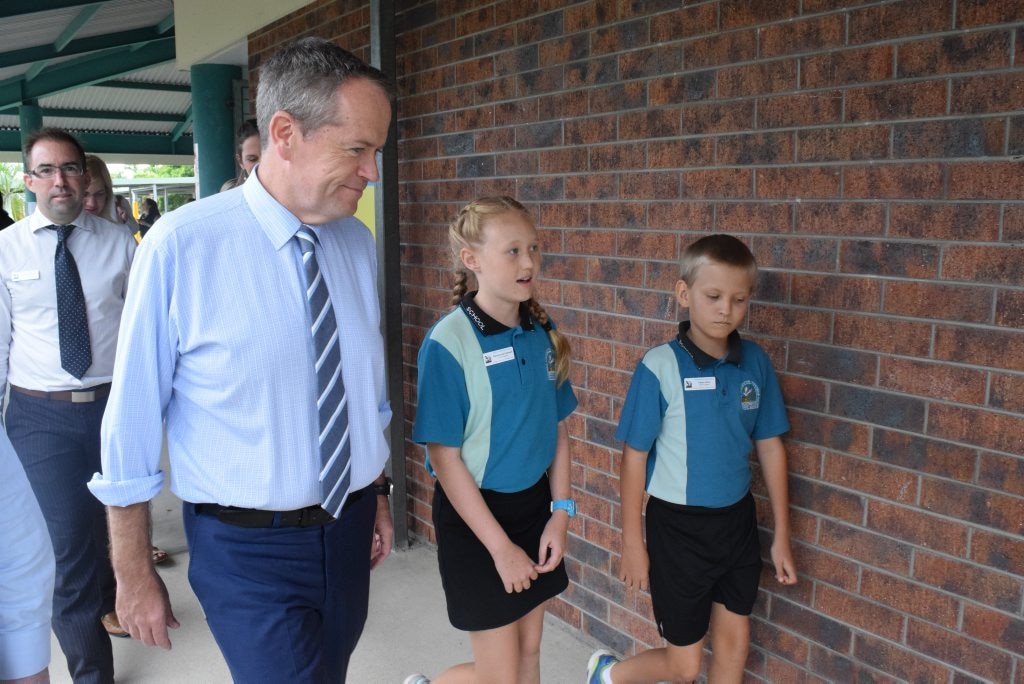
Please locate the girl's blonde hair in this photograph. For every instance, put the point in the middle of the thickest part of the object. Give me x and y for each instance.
(466, 231)
(97, 169)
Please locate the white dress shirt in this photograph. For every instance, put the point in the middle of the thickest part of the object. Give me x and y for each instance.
(26, 573)
(215, 339)
(29, 342)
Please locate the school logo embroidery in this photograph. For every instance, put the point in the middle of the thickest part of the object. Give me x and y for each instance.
(750, 395)
(550, 359)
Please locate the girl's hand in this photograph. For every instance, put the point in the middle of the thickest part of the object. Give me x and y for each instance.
(635, 565)
(552, 542)
(515, 568)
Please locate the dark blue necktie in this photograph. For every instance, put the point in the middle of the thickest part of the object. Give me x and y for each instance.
(335, 471)
(72, 322)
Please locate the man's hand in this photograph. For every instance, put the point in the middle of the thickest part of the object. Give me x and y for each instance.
(383, 533)
(144, 609)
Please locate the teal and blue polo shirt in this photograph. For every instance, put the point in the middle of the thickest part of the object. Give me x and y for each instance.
(490, 390)
(697, 417)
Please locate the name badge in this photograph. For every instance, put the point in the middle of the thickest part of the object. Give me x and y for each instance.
(499, 356)
(24, 275)
(694, 384)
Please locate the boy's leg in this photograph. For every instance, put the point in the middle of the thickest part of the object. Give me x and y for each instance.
(730, 643)
(669, 663)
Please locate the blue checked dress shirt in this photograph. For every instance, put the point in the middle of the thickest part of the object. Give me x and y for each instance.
(215, 339)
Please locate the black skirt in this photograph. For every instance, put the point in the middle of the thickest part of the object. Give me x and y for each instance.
(476, 597)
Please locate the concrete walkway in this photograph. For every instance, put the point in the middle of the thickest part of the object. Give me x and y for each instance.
(407, 630)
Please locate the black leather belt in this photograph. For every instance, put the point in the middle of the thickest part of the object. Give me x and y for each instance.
(310, 516)
(82, 396)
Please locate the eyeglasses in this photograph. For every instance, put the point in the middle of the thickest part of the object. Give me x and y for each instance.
(49, 170)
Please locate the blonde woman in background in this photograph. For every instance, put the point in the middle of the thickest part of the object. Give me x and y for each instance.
(99, 197)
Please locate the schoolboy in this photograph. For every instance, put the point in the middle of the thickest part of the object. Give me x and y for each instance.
(695, 408)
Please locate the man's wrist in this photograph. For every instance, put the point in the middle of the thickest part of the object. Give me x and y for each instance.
(382, 486)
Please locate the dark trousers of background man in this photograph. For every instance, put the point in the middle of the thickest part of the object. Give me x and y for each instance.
(58, 443)
(285, 604)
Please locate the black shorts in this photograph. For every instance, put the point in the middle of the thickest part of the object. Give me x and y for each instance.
(473, 589)
(699, 556)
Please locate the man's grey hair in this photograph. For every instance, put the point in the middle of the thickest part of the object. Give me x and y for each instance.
(302, 79)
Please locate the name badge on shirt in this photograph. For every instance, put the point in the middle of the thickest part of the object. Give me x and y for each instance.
(694, 384)
(24, 275)
(499, 356)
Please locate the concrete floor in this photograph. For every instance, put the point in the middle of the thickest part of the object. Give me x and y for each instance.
(407, 631)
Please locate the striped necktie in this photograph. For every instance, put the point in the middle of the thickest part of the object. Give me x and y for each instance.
(72, 321)
(335, 470)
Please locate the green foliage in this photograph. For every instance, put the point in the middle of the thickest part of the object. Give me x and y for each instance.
(12, 186)
(161, 171)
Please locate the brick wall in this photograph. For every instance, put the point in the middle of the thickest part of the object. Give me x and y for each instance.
(869, 152)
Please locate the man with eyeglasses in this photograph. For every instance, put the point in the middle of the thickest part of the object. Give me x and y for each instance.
(65, 275)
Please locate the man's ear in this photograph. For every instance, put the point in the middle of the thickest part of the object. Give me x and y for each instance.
(283, 134)
(683, 293)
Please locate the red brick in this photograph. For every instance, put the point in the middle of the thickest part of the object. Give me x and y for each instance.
(679, 152)
(899, 21)
(975, 13)
(753, 218)
(937, 380)
(760, 78)
(801, 109)
(646, 303)
(652, 123)
(938, 301)
(561, 161)
(705, 118)
(840, 218)
(843, 144)
(654, 186)
(1013, 223)
(964, 137)
(974, 504)
(847, 67)
(895, 259)
(990, 94)
(967, 654)
(918, 528)
(590, 242)
(1007, 392)
(896, 101)
(945, 221)
(911, 598)
(657, 60)
(997, 265)
(965, 51)
(611, 38)
(591, 186)
(682, 216)
(991, 627)
(980, 346)
(741, 13)
(884, 335)
(998, 551)
(717, 183)
(986, 180)
(719, 48)
(823, 32)
(618, 157)
(870, 478)
(685, 22)
(836, 292)
(1002, 473)
(821, 566)
(897, 660)
(833, 362)
(617, 215)
(788, 322)
(850, 609)
(755, 148)
(814, 626)
(809, 394)
(896, 181)
(798, 182)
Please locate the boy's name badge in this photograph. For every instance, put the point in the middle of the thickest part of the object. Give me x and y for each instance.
(499, 356)
(24, 275)
(693, 384)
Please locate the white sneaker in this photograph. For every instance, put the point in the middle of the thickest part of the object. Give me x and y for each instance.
(415, 679)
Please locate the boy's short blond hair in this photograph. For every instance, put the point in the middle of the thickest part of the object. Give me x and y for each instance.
(720, 249)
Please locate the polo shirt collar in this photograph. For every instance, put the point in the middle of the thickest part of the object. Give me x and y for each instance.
(487, 325)
(701, 359)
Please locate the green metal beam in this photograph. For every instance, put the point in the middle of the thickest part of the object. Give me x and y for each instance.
(179, 130)
(74, 26)
(120, 39)
(113, 143)
(86, 71)
(136, 85)
(117, 115)
(15, 8)
(166, 24)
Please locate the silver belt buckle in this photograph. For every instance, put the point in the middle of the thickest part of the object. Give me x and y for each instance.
(83, 397)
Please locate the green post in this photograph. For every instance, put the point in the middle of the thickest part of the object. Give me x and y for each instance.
(213, 123)
(30, 117)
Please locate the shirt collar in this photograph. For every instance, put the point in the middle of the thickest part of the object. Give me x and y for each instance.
(276, 221)
(487, 325)
(702, 360)
(37, 221)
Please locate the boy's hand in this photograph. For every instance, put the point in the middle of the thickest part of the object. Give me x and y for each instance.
(515, 568)
(782, 558)
(635, 565)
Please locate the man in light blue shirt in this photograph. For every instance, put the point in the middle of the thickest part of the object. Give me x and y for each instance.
(26, 576)
(216, 343)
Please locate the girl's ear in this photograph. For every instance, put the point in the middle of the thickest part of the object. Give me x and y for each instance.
(683, 294)
(469, 260)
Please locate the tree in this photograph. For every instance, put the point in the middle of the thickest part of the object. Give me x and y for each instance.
(13, 188)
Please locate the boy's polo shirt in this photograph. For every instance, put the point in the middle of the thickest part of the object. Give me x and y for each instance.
(490, 390)
(698, 418)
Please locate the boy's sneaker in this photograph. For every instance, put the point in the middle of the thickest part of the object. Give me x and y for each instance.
(415, 679)
(598, 664)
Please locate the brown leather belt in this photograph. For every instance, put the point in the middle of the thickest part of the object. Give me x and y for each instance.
(310, 516)
(82, 396)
